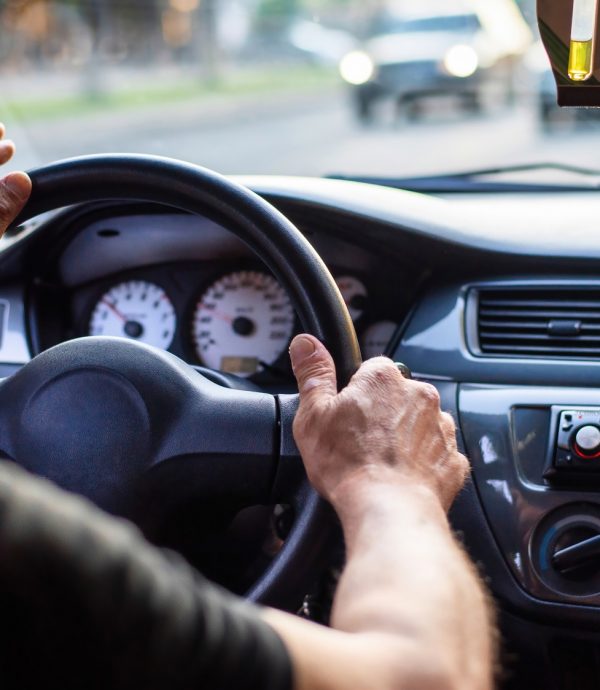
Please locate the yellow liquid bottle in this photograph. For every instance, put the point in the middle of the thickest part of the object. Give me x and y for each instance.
(583, 33)
(580, 60)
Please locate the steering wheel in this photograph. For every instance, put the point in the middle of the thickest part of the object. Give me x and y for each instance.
(137, 430)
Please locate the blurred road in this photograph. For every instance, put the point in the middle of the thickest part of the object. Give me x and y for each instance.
(310, 133)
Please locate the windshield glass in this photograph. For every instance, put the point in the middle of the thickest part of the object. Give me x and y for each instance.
(302, 87)
(451, 22)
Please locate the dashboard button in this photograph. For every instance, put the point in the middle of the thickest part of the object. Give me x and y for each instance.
(563, 459)
(587, 441)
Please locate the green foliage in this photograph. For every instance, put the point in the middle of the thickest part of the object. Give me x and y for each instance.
(244, 84)
(270, 9)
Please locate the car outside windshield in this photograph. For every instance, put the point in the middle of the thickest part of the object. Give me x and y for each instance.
(444, 22)
(301, 87)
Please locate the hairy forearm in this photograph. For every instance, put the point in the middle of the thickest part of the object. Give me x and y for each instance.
(410, 612)
(406, 576)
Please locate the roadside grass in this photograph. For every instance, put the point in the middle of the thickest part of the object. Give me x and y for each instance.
(237, 83)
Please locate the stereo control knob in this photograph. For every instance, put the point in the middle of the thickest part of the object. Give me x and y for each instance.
(587, 441)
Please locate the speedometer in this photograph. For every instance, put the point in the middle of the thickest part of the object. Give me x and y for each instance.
(137, 310)
(242, 322)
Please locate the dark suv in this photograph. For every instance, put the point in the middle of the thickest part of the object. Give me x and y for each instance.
(407, 57)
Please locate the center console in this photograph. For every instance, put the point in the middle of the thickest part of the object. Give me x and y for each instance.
(536, 466)
(530, 516)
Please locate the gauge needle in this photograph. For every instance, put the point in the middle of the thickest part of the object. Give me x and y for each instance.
(114, 310)
(219, 314)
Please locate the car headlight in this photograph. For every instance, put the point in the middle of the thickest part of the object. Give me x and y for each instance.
(461, 61)
(356, 67)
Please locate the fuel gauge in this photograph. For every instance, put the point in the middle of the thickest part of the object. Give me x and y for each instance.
(355, 295)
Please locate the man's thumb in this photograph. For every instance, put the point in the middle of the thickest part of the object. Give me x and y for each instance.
(313, 367)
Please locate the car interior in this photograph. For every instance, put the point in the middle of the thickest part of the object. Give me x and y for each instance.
(147, 305)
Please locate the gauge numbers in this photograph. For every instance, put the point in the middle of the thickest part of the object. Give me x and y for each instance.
(376, 338)
(242, 322)
(137, 310)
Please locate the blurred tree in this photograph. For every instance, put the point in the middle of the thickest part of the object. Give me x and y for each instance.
(277, 9)
(210, 53)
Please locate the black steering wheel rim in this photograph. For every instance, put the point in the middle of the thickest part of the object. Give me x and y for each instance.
(283, 249)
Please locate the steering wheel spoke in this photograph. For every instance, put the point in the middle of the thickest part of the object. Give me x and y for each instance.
(221, 448)
(290, 478)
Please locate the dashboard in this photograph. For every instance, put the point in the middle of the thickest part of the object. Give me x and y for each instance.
(187, 285)
(494, 299)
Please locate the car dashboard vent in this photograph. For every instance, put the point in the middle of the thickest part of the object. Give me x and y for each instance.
(559, 322)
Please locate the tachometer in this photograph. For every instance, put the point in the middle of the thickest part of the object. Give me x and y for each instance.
(242, 322)
(137, 310)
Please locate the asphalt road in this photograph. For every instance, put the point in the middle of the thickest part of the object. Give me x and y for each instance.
(312, 134)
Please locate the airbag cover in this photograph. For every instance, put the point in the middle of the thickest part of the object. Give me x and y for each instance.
(98, 448)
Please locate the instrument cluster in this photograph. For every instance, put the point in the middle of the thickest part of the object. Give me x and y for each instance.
(238, 321)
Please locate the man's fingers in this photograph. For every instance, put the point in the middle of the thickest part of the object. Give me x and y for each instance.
(7, 147)
(314, 369)
(7, 150)
(14, 192)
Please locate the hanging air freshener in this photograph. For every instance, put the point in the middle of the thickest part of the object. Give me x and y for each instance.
(583, 33)
(569, 29)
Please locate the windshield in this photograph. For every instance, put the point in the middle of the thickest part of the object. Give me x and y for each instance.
(300, 87)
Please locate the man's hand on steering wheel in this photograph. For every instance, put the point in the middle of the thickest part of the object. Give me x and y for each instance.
(409, 610)
(15, 188)
(380, 428)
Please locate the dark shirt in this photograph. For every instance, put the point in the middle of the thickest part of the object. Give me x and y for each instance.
(86, 603)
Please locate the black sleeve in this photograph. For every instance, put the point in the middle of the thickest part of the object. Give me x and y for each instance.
(86, 602)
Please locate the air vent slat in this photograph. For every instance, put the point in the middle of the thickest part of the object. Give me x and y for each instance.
(518, 349)
(492, 335)
(541, 304)
(540, 322)
(541, 313)
(514, 324)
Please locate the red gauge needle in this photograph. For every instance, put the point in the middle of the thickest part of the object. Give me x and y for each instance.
(114, 310)
(219, 314)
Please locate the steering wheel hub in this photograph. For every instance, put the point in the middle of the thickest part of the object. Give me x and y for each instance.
(99, 448)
